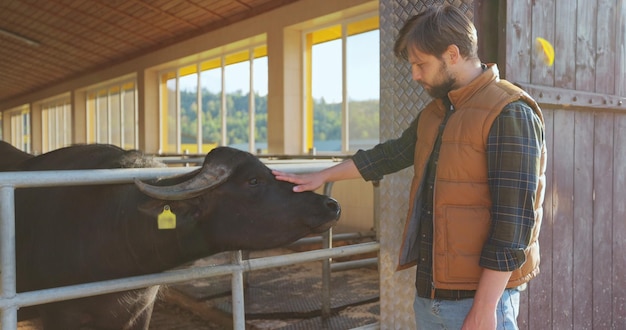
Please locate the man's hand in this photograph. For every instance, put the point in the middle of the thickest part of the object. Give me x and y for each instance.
(482, 315)
(302, 182)
(480, 320)
(308, 182)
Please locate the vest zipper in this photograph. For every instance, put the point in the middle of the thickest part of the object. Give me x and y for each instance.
(432, 290)
(442, 127)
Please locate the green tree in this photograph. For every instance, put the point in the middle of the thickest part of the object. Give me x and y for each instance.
(327, 117)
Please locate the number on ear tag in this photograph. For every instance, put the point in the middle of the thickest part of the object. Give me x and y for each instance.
(167, 219)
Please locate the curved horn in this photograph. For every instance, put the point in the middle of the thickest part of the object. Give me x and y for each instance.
(207, 178)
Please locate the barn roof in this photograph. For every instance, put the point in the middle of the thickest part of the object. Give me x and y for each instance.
(47, 42)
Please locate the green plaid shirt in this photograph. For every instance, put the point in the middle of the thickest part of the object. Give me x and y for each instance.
(513, 151)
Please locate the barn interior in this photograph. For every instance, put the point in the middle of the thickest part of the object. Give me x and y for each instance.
(79, 71)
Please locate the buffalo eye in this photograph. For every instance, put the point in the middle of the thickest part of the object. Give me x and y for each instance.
(253, 182)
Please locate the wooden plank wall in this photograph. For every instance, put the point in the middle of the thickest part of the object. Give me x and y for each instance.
(582, 284)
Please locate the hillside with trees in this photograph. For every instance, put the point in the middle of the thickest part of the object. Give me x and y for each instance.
(364, 119)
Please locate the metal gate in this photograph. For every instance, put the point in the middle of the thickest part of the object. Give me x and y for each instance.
(11, 301)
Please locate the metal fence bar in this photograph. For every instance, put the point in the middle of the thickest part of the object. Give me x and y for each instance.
(237, 292)
(336, 238)
(113, 176)
(346, 265)
(37, 297)
(327, 243)
(7, 255)
(85, 177)
(10, 301)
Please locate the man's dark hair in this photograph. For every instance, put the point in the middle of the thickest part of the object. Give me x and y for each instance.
(434, 29)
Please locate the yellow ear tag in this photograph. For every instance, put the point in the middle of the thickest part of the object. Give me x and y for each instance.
(166, 219)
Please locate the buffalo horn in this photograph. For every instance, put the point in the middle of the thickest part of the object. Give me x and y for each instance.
(207, 178)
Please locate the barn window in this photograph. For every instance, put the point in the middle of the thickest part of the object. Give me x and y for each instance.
(342, 86)
(19, 119)
(210, 103)
(112, 115)
(56, 124)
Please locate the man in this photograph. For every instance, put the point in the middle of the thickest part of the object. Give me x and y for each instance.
(479, 158)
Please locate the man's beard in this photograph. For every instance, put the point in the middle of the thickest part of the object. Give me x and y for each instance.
(441, 90)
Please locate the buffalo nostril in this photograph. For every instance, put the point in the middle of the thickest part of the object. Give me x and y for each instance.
(333, 205)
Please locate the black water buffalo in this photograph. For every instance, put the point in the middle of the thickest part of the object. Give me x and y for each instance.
(11, 156)
(78, 234)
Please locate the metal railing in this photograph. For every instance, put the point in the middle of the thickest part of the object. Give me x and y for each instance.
(11, 301)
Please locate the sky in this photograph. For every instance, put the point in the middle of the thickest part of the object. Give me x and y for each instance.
(363, 68)
(362, 71)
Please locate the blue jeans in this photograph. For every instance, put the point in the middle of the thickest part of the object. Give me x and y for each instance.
(450, 314)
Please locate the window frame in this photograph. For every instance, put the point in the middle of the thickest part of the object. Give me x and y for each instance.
(307, 104)
(93, 111)
(56, 118)
(221, 60)
(20, 130)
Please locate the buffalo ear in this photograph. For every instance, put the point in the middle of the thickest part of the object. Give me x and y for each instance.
(185, 211)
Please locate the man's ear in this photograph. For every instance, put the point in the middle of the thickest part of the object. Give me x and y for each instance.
(453, 54)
